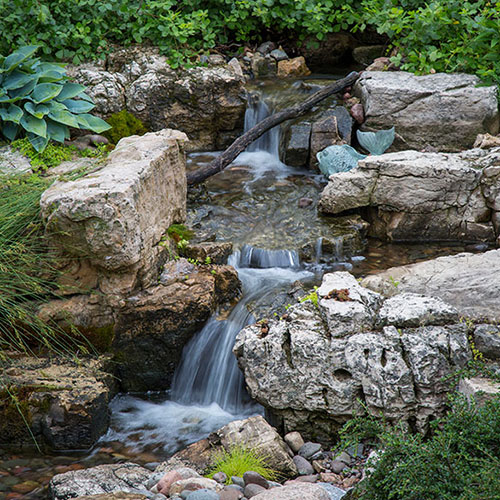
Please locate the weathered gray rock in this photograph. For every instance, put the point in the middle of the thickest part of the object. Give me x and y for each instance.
(295, 491)
(194, 483)
(446, 111)
(126, 478)
(416, 196)
(479, 389)
(304, 468)
(13, 162)
(324, 133)
(64, 405)
(297, 144)
(114, 218)
(413, 310)
(487, 340)
(257, 434)
(294, 440)
(466, 281)
(208, 103)
(319, 362)
(114, 496)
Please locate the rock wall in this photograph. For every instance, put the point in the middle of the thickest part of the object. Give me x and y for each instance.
(443, 111)
(412, 196)
(354, 352)
(208, 104)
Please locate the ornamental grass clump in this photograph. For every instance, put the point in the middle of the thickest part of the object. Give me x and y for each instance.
(38, 100)
(28, 273)
(239, 460)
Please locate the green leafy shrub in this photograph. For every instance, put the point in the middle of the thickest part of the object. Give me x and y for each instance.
(239, 460)
(124, 124)
(37, 99)
(442, 35)
(459, 461)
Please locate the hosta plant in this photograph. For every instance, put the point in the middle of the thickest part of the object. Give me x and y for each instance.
(38, 100)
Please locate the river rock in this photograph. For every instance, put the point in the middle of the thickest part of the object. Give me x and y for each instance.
(207, 103)
(103, 479)
(414, 196)
(308, 450)
(324, 133)
(317, 364)
(465, 281)
(252, 490)
(445, 111)
(194, 483)
(114, 218)
(114, 496)
(295, 491)
(295, 67)
(64, 404)
(263, 66)
(294, 440)
(304, 468)
(256, 434)
(297, 144)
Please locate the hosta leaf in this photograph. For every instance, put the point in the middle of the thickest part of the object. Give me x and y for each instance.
(44, 67)
(25, 90)
(94, 123)
(39, 143)
(64, 117)
(11, 114)
(18, 57)
(376, 142)
(34, 125)
(17, 79)
(78, 106)
(38, 110)
(44, 92)
(56, 106)
(50, 76)
(86, 97)
(10, 130)
(5, 99)
(57, 131)
(70, 90)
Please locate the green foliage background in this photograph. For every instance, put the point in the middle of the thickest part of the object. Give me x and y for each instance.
(441, 35)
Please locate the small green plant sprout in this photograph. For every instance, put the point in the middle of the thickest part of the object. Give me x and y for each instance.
(239, 460)
(38, 100)
(394, 283)
(313, 297)
(180, 234)
(195, 262)
(207, 261)
(213, 272)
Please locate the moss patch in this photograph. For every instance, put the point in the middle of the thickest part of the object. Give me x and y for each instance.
(124, 124)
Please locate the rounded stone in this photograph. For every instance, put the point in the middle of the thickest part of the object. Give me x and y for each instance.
(309, 449)
(251, 477)
(253, 489)
(294, 439)
(304, 468)
(238, 481)
(338, 466)
(203, 494)
(220, 477)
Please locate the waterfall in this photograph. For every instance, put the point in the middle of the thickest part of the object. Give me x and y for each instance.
(256, 111)
(208, 372)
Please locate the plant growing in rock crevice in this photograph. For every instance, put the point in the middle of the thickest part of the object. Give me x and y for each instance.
(37, 99)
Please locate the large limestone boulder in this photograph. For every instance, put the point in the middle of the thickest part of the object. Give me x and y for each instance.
(64, 405)
(413, 196)
(354, 352)
(470, 282)
(114, 218)
(445, 111)
(100, 480)
(207, 103)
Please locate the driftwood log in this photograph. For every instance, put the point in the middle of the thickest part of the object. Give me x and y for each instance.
(240, 144)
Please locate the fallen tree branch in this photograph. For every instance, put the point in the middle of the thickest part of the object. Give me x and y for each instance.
(240, 144)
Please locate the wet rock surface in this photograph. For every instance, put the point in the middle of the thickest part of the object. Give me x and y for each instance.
(465, 281)
(397, 370)
(64, 405)
(445, 111)
(414, 196)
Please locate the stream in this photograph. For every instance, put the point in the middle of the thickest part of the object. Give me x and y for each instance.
(255, 205)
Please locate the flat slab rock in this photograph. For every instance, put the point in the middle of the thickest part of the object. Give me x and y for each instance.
(445, 111)
(296, 491)
(65, 404)
(469, 282)
(313, 367)
(100, 480)
(415, 196)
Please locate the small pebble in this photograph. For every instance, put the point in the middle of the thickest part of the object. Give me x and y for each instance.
(338, 466)
(203, 494)
(251, 477)
(308, 449)
(253, 489)
(304, 468)
(238, 480)
(220, 477)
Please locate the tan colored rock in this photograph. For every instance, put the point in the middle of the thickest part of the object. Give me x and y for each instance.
(165, 483)
(196, 456)
(115, 217)
(486, 141)
(324, 133)
(295, 491)
(379, 64)
(194, 483)
(293, 67)
(257, 434)
(65, 405)
(114, 496)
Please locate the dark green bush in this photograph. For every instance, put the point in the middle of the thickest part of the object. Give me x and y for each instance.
(459, 461)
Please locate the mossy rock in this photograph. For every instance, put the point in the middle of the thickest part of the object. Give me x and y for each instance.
(124, 124)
